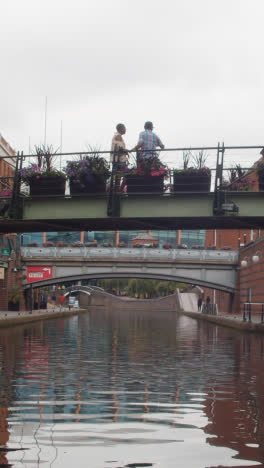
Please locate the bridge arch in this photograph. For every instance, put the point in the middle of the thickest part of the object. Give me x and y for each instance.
(145, 275)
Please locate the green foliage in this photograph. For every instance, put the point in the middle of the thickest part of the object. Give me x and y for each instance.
(15, 294)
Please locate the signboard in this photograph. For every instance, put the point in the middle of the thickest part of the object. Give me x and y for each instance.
(5, 252)
(2, 273)
(38, 273)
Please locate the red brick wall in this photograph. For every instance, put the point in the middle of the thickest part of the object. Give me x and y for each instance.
(12, 278)
(230, 237)
(251, 276)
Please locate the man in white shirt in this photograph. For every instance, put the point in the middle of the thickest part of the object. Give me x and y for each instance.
(119, 154)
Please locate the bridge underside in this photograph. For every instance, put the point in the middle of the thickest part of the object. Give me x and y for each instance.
(136, 212)
(164, 277)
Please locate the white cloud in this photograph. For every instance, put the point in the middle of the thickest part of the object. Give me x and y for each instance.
(194, 68)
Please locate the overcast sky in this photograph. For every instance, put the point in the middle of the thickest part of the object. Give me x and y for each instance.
(193, 67)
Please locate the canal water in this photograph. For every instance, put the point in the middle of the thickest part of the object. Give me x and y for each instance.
(107, 389)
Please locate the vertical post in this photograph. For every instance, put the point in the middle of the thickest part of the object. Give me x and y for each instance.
(15, 203)
(249, 312)
(219, 179)
(31, 298)
(113, 206)
(117, 234)
(179, 236)
(262, 313)
(244, 313)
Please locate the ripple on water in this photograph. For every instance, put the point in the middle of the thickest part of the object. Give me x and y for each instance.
(131, 389)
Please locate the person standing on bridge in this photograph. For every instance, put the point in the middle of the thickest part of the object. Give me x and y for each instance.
(148, 142)
(119, 154)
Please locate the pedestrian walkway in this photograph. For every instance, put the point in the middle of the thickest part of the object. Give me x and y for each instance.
(189, 307)
(8, 318)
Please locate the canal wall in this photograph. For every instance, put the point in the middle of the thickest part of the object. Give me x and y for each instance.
(170, 303)
(10, 319)
(231, 321)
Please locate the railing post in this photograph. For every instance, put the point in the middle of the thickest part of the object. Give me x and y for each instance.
(249, 312)
(113, 206)
(244, 313)
(15, 204)
(218, 195)
(262, 313)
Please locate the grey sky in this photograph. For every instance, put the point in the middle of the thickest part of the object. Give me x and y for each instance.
(195, 68)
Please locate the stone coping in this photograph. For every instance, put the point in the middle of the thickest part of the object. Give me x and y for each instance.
(9, 319)
(233, 321)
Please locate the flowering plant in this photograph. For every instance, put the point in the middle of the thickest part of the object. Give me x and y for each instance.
(42, 168)
(48, 244)
(167, 245)
(149, 167)
(62, 244)
(88, 170)
(77, 244)
(91, 244)
(198, 160)
(121, 244)
(6, 193)
(193, 171)
(239, 180)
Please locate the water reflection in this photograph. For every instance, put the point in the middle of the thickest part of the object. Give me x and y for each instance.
(108, 389)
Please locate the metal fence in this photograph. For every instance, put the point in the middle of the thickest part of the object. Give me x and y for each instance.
(224, 162)
(210, 309)
(253, 310)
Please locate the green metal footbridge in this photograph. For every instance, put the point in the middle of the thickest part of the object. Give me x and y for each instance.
(220, 208)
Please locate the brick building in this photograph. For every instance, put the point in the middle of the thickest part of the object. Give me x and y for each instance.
(10, 273)
(234, 239)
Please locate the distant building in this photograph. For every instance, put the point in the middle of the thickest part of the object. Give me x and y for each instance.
(144, 239)
(10, 271)
(7, 165)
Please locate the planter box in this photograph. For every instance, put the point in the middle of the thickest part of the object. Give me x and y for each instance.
(191, 182)
(48, 186)
(144, 184)
(97, 187)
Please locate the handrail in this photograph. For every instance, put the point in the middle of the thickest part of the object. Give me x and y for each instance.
(227, 256)
(184, 148)
(247, 310)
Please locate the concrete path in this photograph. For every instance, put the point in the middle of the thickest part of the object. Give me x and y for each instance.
(189, 307)
(8, 318)
(188, 302)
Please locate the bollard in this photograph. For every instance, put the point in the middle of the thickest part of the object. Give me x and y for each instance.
(262, 313)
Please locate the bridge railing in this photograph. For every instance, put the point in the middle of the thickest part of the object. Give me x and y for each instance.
(210, 309)
(227, 256)
(253, 309)
(231, 167)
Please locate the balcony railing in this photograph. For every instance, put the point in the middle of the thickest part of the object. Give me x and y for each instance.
(229, 256)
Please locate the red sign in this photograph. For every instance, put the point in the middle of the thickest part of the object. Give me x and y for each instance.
(38, 273)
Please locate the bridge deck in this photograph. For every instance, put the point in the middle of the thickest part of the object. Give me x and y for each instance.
(137, 212)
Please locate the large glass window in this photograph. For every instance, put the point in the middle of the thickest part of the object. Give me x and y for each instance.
(191, 238)
(29, 237)
(63, 236)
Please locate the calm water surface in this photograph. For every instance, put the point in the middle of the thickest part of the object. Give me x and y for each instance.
(107, 389)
